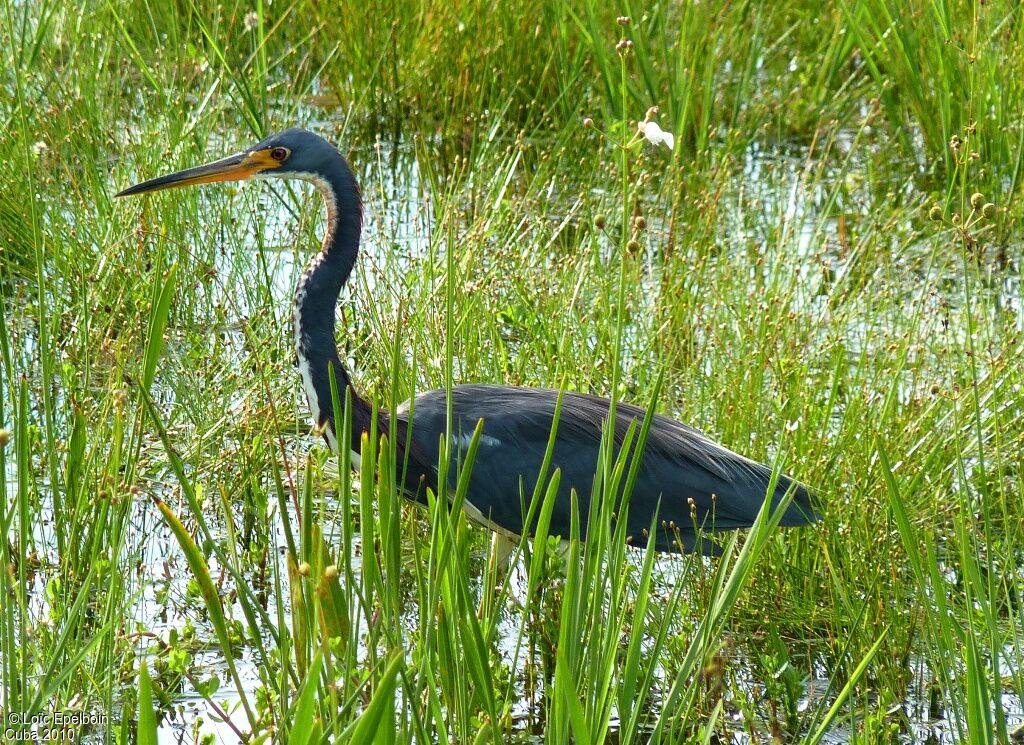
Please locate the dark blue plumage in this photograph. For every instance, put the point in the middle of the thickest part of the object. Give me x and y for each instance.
(679, 463)
(684, 477)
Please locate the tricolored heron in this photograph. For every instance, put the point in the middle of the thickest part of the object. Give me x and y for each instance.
(691, 482)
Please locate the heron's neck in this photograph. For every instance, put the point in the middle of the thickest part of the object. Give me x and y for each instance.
(316, 299)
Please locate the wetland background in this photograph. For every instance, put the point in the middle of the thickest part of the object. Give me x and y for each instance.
(816, 286)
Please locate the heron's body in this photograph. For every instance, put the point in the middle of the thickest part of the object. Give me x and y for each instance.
(685, 478)
(679, 464)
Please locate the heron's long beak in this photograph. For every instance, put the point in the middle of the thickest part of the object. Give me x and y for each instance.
(233, 168)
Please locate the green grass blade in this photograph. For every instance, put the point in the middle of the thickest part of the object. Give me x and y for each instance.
(157, 325)
(147, 731)
(201, 572)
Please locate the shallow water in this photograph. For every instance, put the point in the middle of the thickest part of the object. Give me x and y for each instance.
(398, 220)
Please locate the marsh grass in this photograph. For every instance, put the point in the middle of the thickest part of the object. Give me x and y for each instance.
(165, 509)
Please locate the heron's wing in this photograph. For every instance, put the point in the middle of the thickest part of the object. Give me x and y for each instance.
(685, 477)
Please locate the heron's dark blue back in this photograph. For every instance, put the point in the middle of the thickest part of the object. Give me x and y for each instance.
(679, 464)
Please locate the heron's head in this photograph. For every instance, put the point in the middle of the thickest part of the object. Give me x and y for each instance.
(293, 153)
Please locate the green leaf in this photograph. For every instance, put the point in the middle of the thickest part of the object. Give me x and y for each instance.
(368, 727)
(147, 714)
(305, 708)
(157, 324)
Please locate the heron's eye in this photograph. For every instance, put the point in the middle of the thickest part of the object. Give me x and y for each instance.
(279, 153)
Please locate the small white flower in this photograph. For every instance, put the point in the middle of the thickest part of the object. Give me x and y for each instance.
(656, 135)
(39, 148)
(251, 20)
